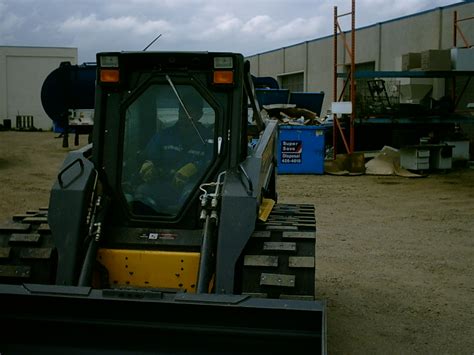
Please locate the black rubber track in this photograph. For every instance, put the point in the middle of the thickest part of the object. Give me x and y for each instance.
(279, 260)
(27, 253)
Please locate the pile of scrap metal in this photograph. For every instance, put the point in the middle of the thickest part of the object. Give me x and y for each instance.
(290, 114)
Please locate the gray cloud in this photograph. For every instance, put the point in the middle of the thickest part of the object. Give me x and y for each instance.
(10, 23)
(241, 26)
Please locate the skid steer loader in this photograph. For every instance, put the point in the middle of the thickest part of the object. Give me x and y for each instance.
(154, 243)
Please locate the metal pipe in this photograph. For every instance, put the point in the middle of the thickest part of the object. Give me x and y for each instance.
(95, 234)
(455, 27)
(336, 121)
(334, 134)
(465, 19)
(344, 40)
(347, 13)
(453, 80)
(85, 278)
(184, 108)
(353, 87)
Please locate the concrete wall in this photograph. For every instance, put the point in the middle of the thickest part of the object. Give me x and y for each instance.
(295, 59)
(22, 73)
(272, 63)
(320, 68)
(382, 43)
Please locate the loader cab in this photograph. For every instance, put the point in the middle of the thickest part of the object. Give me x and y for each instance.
(163, 126)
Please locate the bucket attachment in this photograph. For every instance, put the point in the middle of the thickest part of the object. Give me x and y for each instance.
(55, 319)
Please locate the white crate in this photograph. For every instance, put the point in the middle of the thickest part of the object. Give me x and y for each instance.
(462, 58)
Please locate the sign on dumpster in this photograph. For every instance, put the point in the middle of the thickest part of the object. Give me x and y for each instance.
(291, 152)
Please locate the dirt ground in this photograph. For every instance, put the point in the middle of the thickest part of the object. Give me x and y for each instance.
(395, 257)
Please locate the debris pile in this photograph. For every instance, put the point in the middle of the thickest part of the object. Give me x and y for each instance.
(290, 114)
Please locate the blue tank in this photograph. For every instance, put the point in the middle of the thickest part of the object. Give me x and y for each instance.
(66, 88)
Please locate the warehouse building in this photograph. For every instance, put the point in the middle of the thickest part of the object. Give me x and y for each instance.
(388, 46)
(309, 66)
(22, 73)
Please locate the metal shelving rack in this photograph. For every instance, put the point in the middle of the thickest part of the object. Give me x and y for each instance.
(452, 74)
(340, 132)
(435, 119)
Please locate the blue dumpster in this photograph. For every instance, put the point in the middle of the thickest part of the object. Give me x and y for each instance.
(301, 150)
(272, 96)
(312, 101)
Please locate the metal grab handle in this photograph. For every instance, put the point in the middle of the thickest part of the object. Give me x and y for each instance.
(69, 166)
(249, 180)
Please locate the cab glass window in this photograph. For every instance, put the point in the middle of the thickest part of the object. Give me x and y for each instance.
(168, 147)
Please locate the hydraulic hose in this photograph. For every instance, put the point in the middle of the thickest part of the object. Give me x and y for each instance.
(85, 278)
(207, 262)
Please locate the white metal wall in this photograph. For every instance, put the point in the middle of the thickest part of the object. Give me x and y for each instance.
(22, 73)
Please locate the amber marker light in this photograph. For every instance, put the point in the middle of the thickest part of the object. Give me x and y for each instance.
(223, 77)
(109, 75)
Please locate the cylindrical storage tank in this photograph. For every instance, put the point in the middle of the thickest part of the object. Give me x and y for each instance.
(68, 87)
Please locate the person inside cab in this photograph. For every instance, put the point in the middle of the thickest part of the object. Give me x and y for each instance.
(176, 158)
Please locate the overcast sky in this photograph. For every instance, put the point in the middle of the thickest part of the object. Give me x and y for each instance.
(245, 26)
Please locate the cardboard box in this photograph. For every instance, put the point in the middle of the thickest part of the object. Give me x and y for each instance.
(411, 61)
(436, 60)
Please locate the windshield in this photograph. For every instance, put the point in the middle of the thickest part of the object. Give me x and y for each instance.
(168, 147)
